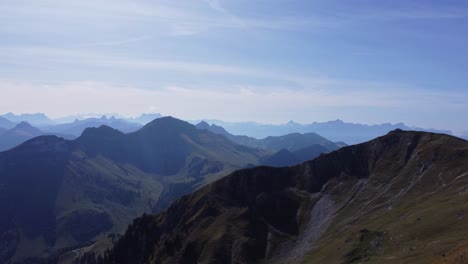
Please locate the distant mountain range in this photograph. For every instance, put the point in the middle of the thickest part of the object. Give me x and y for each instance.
(339, 131)
(57, 193)
(290, 149)
(144, 118)
(286, 157)
(78, 126)
(6, 124)
(22, 132)
(37, 119)
(17, 135)
(291, 142)
(400, 198)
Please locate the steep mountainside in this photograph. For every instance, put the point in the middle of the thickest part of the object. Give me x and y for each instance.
(400, 198)
(56, 193)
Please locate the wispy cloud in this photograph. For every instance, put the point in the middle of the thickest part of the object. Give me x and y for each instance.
(421, 13)
(179, 18)
(193, 17)
(68, 58)
(117, 42)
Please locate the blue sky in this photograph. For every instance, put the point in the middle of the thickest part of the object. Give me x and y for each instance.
(238, 60)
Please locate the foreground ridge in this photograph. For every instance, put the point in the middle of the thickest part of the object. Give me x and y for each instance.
(380, 201)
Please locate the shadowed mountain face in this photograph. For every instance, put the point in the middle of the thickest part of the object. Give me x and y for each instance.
(56, 193)
(400, 198)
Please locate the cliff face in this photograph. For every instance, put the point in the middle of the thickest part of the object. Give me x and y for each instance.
(374, 201)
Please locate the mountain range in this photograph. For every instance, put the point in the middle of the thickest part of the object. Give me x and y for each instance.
(37, 119)
(291, 142)
(338, 131)
(17, 135)
(57, 193)
(400, 198)
(22, 132)
(144, 119)
(290, 149)
(5, 123)
(78, 126)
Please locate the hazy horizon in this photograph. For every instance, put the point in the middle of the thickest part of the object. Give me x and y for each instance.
(262, 61)
(83, 116)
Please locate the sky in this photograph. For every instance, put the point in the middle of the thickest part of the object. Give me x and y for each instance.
(239, 60)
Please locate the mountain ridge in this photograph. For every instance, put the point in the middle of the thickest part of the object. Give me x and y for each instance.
(268, 214)
(291, 142)
(337, 130)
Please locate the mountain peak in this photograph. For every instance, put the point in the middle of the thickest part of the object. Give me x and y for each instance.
(203, 125)
(26, 127)
(213, 128)
(292, 123)
(169, 123)
(102, 131)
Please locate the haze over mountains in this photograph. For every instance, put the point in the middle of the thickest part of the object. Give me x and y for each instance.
(78, 126)
(20, 133)
(350, 133)
(337, 131)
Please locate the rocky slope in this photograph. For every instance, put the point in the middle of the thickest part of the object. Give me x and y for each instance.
(401, 198)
